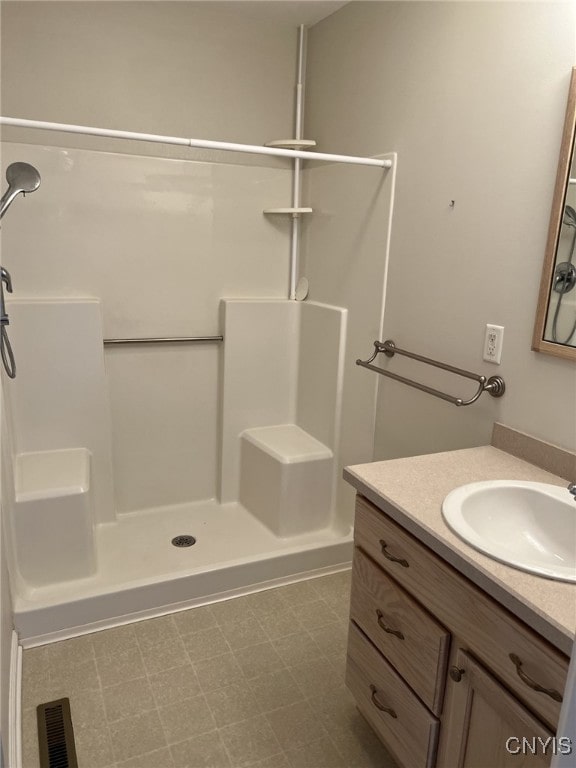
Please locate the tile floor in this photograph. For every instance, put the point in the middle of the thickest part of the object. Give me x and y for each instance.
(254, 681)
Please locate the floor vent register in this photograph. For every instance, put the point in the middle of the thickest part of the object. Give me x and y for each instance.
(56, 735)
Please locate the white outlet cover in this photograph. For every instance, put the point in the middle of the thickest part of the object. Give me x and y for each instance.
(493, 340)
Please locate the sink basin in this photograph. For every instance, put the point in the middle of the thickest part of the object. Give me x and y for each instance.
(530, 526)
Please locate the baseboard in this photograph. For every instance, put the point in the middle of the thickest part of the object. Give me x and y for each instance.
(15, 705)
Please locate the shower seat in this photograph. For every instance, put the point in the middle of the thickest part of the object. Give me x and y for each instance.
(286, 479)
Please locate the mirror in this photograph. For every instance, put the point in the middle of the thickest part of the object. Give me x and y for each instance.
(555, 327)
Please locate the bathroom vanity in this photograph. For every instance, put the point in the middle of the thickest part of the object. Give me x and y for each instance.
(453, 658)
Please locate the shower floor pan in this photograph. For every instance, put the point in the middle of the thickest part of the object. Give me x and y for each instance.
(140, 573)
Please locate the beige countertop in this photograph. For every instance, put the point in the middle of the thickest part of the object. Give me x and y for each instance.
(411, 491)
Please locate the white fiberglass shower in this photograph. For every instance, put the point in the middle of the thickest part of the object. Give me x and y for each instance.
(168, 392)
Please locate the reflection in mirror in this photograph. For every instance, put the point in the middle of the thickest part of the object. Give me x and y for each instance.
(555, 327)
(561, 317)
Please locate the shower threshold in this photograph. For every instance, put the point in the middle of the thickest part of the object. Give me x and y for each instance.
(142, 574)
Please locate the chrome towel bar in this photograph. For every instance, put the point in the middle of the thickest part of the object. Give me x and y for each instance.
(166, 340)
(495, 385)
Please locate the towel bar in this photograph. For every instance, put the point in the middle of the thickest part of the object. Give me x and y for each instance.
(165, 340)
(495, 385)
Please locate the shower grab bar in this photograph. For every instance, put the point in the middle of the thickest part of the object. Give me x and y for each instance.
(228, 146)
(495, 385)
(165, 340)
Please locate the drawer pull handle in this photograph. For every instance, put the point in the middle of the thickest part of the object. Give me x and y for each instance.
(388, 556)
(383, 626)
(379, 705)
(456, 673)
(531, 683)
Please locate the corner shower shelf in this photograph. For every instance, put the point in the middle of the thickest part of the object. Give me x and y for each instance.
(291, 144)
(291, 211)
(298, 144)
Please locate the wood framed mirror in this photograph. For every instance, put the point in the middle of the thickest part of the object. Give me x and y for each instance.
(555, 326)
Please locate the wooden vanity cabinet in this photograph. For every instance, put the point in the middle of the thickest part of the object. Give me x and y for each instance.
(482, 717)
(444, 674)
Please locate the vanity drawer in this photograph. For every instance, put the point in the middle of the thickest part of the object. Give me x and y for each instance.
(521, 659)
(391, 708)
(411, 640)
(531, 668)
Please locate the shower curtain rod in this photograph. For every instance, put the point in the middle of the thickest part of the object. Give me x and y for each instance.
(226, 146)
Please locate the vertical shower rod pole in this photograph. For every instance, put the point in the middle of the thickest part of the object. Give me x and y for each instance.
(297, 177)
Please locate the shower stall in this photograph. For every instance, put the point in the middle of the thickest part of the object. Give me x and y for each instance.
(178, 424)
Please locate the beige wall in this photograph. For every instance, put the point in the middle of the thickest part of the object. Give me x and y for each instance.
(472, 97)
(220, 71)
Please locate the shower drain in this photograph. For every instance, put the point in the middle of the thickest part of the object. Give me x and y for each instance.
(184, 540)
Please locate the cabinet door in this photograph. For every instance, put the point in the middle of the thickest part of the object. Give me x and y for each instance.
(486, 726)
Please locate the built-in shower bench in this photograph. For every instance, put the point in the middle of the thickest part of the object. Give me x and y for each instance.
(286, 478)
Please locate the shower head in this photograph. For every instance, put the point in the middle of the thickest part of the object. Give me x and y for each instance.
(569, 217)
(22, 178)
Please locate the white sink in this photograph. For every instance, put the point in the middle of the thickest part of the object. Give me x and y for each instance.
(530, 526)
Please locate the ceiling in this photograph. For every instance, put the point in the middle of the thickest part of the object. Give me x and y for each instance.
(294, 12)
(306, 12)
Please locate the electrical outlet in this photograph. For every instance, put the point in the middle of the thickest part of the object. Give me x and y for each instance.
(493, 343)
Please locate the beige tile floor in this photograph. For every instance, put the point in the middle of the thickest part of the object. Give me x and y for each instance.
(254, 681)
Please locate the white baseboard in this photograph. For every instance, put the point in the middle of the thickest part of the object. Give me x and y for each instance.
(15, 705)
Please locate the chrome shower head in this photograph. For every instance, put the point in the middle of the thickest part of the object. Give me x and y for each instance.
(569, 217)
(22, 178)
